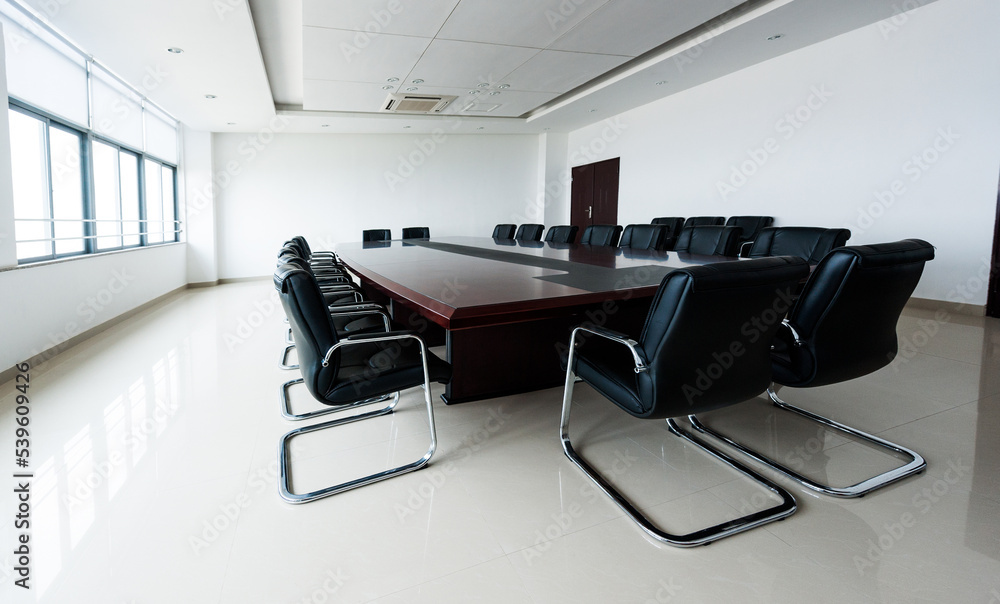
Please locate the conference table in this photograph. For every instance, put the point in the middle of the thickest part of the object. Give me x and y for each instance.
(505, 309)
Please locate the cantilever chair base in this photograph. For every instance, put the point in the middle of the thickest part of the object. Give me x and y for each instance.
(283, 363)
(700, 537)
(286, 411)
(914, 466)
(284, 478)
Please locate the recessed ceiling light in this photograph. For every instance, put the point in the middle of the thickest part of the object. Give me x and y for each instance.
(324, 125)
(175, 50)
(387, 87)
(209, 96)
(661, 82)
(230, 123)
(411, 88)
(593, 110)
(481, 128)
(494, 93)
(484, 85)
(392, 80)
(474, 91)
(503, 86)
(417, 81)
(775, 37)
(405, 127)
(546, 128)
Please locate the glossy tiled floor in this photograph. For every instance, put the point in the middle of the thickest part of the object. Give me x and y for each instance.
(155, 481)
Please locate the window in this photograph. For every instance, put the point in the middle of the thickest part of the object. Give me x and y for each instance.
(93, 159)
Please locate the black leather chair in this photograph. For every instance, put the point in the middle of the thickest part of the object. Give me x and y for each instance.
(345, 373)
(504, 231)
(709, 240)
(601, 234)
(529, 232)
(643, 237)
(674, 225)
(809, 243)
(752, 226)
(682, 364)
(704, 221)
(376, 235)
(417, 233)
(562, 233)
(843, 326)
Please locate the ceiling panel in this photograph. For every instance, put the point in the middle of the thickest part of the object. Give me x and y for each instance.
(558, 71)
(326, 95)
(632, 27)
(348, 56)
(404, 17)
(533, 23)
(465, 64)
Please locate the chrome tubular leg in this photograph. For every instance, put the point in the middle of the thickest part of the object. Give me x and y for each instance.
(700, 537)
(286, 410)
(284, 471)
(283, 363)
(914, 466)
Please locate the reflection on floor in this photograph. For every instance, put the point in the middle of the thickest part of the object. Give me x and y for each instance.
(154, 454)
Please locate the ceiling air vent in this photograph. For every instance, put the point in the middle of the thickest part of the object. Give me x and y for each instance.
(416, 103)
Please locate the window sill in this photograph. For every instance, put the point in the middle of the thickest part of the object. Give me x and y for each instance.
(86, 256)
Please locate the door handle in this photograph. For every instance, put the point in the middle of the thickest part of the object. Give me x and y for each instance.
(590, 211)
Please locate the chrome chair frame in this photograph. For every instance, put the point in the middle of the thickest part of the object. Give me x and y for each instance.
(284, 486)
(916, 464)
(700, 537)
(368, 308)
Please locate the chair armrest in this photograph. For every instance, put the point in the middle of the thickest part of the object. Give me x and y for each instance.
(745, 249)
(795, 334)
(372, 309)
(365, 338)
(640, 364)
(343, 307)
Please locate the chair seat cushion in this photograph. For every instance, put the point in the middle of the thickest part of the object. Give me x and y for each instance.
(352, 324)
(372, 369)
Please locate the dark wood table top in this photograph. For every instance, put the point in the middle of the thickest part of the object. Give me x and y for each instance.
(462, 282)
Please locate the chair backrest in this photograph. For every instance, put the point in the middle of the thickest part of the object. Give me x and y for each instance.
(674, 225)
(504, 231)
(704, 221)
(303, 245)
(751, 225)
(809, 243)
(643, 236)
(601, 234)
(529, 232)
(376, 235)
(708, 333)
(709, 240)
(846, 315)
(312, 328)
(562, 233)
(417, 233)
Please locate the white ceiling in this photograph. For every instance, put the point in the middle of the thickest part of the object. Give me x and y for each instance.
(535, 65)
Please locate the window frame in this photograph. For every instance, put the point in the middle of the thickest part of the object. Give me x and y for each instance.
(87, 139)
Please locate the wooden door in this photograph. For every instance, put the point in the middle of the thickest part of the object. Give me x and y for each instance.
(594, 194)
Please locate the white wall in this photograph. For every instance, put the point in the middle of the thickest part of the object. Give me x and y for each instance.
(867, 102)
(8, 249)
(198, 199)
(329, 188)
(43, 306)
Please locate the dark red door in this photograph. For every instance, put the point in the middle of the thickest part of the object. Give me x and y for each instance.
(594, 194)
